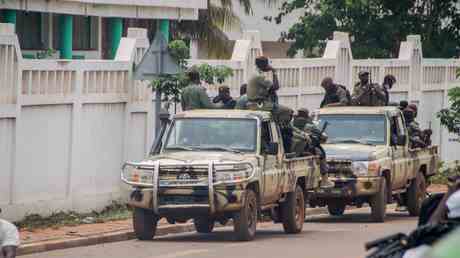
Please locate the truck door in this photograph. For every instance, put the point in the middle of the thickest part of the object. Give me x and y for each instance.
(399, 155)
(270, 170)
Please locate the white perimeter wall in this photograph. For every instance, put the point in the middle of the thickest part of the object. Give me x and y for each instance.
(67, 126)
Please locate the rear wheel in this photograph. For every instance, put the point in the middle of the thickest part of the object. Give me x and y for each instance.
(293, 211)
(378, 202)
(144, 223)
(416, 194)
(203, 224)
(336, 208)
(245, 221)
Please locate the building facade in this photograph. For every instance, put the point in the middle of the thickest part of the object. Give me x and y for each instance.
(87, 29)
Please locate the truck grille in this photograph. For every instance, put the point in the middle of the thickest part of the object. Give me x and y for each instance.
(340, 167)
(183, 175)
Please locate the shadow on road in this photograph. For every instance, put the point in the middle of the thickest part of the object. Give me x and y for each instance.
(226, 235)
(356, 218)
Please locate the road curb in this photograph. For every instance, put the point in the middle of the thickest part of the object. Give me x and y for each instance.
(118, 236)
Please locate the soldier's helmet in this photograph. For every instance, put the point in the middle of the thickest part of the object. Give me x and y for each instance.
(413, 107)
(362, 73)
(303, 112)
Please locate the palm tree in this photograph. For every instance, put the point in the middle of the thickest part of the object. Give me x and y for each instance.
(212, 22)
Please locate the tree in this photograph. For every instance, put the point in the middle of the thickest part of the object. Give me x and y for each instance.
(218, 17)
(450, 117)
(377, 26)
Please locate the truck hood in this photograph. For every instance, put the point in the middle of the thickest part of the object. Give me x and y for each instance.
(353, 152)
(201, 157)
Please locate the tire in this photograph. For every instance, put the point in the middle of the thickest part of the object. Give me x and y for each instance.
(144, 223)
(203, 225)
(378, 202)
(293, 211)
(416, 194)
(245, 221)
(336, 208)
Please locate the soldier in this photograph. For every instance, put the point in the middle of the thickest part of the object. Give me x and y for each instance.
(194, 96)
(426, 133)
(388, 82)
(9, 239)
(366, 93)
(415, 134)
(304, 122)
(243, 99)
(223, 100)
(336, 95)
(260, 89)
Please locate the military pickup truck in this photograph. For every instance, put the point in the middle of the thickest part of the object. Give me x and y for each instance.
(370, 161)
(216, 165)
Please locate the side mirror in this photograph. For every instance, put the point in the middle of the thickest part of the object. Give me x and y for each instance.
(271, 148)
(401, 140)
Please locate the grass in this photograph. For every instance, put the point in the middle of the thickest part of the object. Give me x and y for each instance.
(114, 211)
(445, 171)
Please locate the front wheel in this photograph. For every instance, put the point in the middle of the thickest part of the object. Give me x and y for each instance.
(293, 211)
(203, 224)
(144, 223)
(378, 202)
(416, 194)
(245, 221)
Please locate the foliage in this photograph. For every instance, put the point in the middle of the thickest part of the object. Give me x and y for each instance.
(45, 53)
(444, 172)
(450, 117)
(377, 26)
(115, 211)
(171, 85)
(218, 17)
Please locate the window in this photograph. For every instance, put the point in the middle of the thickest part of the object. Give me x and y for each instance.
(266, 135)
(32, 30)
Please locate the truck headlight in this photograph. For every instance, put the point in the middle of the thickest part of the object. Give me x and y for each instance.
(233, 173)
(365, 168)
(135, 175)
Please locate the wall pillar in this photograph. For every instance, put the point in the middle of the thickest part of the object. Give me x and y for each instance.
(66, 36)
(115, 33)
(8, 16)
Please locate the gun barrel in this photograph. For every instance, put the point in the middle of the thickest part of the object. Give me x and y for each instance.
(380, 241)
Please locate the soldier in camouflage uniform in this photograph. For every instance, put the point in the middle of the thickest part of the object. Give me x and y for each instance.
(366, 93)
(415, 134)
(304, 122)
(194, 96)
(336, 95)
(243, 99)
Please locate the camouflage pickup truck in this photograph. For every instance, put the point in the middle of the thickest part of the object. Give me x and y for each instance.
(370, 161)
(216, 165)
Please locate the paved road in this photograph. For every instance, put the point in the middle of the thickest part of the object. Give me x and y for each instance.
(323, 237)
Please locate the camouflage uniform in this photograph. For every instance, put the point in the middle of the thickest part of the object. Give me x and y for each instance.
(364, 95)
(415, 134)
(242, 102)
(194, 97)
(339, 95)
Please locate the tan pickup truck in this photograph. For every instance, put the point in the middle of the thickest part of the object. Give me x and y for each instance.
(370, 161)
(216, 165)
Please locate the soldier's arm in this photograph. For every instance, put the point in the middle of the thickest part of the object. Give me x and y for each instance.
(379, 91)
(343, 100)
(204, 100)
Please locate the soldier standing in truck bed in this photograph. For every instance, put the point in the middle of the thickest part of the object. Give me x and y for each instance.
(194, 96)
(304, 122)
(415, 134)
(336, 95)
(366, 93)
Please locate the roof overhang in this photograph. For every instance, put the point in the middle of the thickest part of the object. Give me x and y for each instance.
(141, 9)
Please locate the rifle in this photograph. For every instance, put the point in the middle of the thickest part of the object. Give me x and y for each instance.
(324, 127)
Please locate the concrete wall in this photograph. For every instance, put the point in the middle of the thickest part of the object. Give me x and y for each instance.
(66, 127)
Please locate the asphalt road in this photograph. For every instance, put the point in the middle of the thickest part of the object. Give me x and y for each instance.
(322, 237)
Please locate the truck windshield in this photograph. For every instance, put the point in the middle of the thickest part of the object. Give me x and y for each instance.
(233, 135)
(360, 129)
